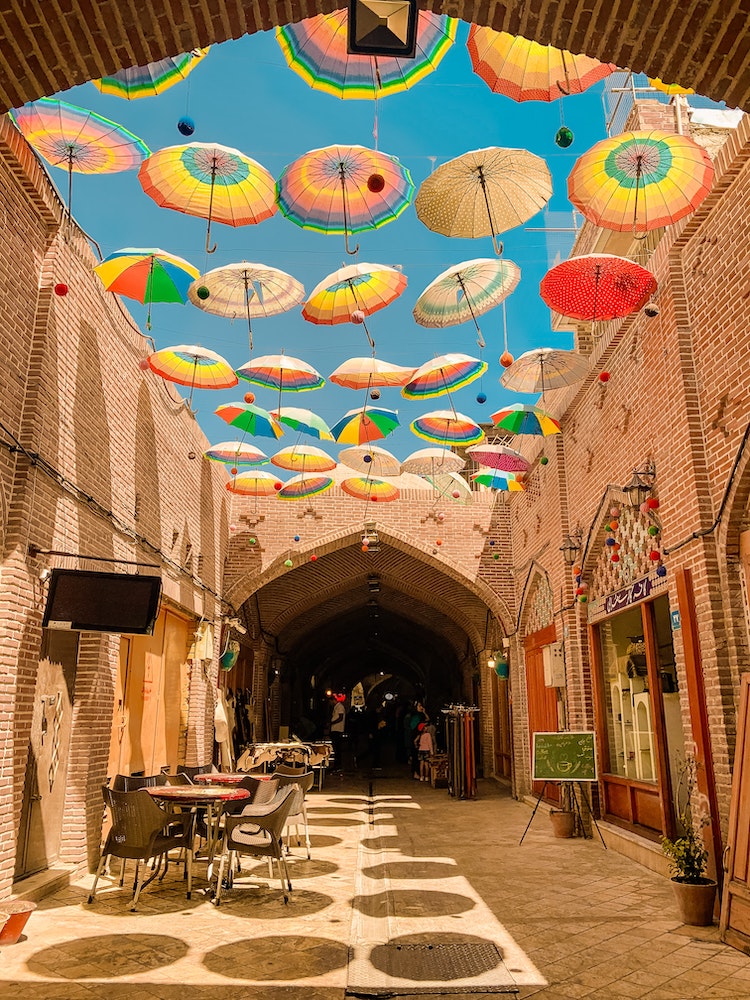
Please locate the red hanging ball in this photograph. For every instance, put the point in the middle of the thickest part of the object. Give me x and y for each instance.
(654, 555)
(506, 359)
(61, 288)
(358, 316)
(375, 183)
(278, 486)
(604, 376)
(144, 365)
(652, 503)
(313, 558)
(374, 499)
(615, 557)
(233, 471)
(249, 397)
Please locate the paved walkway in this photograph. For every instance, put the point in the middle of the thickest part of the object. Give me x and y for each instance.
(401, 884)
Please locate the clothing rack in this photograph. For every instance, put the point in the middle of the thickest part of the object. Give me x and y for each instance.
(461, 744)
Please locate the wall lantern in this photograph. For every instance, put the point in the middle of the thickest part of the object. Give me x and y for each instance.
(640, 486)
(572, 546)
(382, 28)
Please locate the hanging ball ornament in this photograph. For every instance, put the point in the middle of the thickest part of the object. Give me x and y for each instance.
(233, 471)
(296, 538)
(481, 397)
(438, 541)
(643, 508)
(358, 316)
(614, 511)
(375, 183)
(614, 525)
(496, 555)
(186, 126)
(288, 563)
(610, 541)
(583, 587)
(249, 397)
(252, 541)
(576, 570)
(144, 365)
(233, 528)
(455, 494)
(615, 557)
(365, 548)
(375, 394)
(654, 555)
(652, 504)
(277, 486)
(441, 516)
(543, 460)
(653, 530)
(583, 599)
(367, 459)
(661, 570)
(564, 137)
(313, 558)
(374, 499)
(604, 377)
(202, 292)
(506, 359)
(61, 288)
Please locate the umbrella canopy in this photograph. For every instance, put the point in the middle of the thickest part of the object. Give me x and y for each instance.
(498, 481)
(371, 460)
(299, 487)
(484, 193)
(316, 49)
(359, 287)
(447, 427)
(303, 458)
(597, 286)
(544, 368)
(367, 488)
(236, 453)
(452, 486)
(443, 374)
(498, 456)
(303, 421)
(432, 462)
(365, 424)
(466, 291)
(668, 88)
(344, 189)
(255, 484)
(194, 366)
(364, 373)
(253, 420)
(147, 275)
(639, 181)
(524, 418)
(153, 78)
(527, 71)
(279, 371)
(212, 182)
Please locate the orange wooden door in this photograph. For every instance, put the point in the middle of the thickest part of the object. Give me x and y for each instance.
(542, 707)
(735, 910)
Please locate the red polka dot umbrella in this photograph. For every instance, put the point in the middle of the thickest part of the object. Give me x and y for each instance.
(597, 286)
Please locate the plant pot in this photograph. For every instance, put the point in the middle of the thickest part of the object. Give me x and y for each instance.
(19, 911)
(695, 901)
(563, 823)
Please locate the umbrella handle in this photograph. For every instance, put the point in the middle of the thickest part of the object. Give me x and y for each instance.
(498, 247)
(209, 248)
(346, 244)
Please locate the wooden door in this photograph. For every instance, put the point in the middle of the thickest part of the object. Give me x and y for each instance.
(542, 700)
(503, 740)
(735, 909)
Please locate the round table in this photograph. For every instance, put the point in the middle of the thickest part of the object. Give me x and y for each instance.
(207, 796)
(222, 778)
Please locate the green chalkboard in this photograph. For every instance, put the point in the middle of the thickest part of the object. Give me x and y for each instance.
(564, 757)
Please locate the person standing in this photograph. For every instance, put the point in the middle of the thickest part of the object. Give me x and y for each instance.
(425, 749)
(338, 727)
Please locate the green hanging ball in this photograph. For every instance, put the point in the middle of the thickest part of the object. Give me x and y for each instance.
(252, 541)
(653, 530)
(288, 563)
(202, 292)
(496, 556)
(543, 460)
(564, 137)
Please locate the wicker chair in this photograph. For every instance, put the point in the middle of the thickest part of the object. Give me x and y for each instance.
(298, 817)
(141, 830)
(132, 782)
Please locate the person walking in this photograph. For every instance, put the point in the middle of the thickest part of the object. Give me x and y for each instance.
(338, 727)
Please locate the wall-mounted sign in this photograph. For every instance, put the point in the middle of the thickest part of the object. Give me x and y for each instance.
(676, 620)
(639, 590)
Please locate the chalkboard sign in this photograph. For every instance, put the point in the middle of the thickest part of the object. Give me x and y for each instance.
(564, 757)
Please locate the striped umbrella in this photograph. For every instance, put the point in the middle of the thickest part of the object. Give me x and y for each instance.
(447, 427)
(153, 78)
(524, 418)
(443, 374)
(253, 420)
(367, 488)
(505, 482)
(304, 458)
(255, 484)
(365, 424)
(282, 372)
(303, 421)
(193, 366)
(299, 487)
(147, 275)
(236, 453)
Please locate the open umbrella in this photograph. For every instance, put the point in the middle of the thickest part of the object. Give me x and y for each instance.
(669, 88)
(498, 481)
(303, 458)
(147, 275)
(498, 456)
(316, 49)
(279, 371)
(443, 374)
(432, 462)
(367, 488)
(371, 460)
(365, 424)
(524, 418)
(544, 368)
(352, 293)
(527, 71)
(253, 420)
(213, 182)
(366, 373)
(255, 484)
(483, 193)
(248, 290)
(639, 181)
(299, 487)
(447, 427)
(344, 189)
(153, 78)
(451, 486)
(193, 366)
(303, 421)
(597, 286)
(236, 453)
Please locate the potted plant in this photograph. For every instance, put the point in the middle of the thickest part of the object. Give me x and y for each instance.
(688, 857)
(563, 819)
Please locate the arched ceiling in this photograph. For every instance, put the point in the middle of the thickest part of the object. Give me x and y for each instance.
(53, 46)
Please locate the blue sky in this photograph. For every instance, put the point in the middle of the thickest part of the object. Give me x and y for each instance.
(243, 95)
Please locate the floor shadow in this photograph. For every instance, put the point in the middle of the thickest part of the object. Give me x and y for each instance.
(277, 957)
(397, 957)
(261, 901)
(107, 955)
(321, 840)
(317, 810)
(412, 869)
(298, 868)
(335, 821)
(412, 903)
(381, 843)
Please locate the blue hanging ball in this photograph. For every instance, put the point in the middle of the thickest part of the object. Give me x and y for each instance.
(367, 459)
(296, 538)
(661, 570)
(492, 543)
(186, 126)
(481, 398)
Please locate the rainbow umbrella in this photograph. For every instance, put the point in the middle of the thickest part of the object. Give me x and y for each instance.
(358, 287)
(279, 371)
(305, 458)
(498, 481)
(210, 181)
(639, 181)
(545, 368)
(364, 373)
(153, 78)
(498, 456)
(194, 366)
(255, 484)
(367, 488)
(316, 49)
(597, 286)
(299, 487)
(236, 453)
(344, 189)
(365, 424)
(524, 418)
(432, 462)
(253, 420)
(669, 88)
(443, 374)
(527, 71)
(447, 427)
(147, 275)
(370, 459)
(303, 421)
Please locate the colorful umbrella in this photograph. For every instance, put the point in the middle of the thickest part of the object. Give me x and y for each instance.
(366, 488)
(597, 286)
(153, 78)
(279, 371)
(304, 458)
(432, 462)
(210, 181)
(524, 418)
(497, 481)
(443, 374)
(236, 453)
(248, 290)
(544, 368)
(483, 193)
(466, 291)
(344, 189)
(639, 181)
(669, 88)
(498, 456)
(75, 139)
(193, 366)
(447, 427)
(253, 420)
(303, 421)
(358, 287)
(371, 460)
(365, 424)
(316, 49)
(299, 487)
(364, 373)
(147, 275)
(255, 484)
(527, 71)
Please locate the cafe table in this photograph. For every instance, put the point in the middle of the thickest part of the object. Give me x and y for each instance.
(228, 778)
(211, 798)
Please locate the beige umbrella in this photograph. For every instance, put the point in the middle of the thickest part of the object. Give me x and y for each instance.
(365, 373)
(303, 458)
(371, 460)
(483, 193)
(544, 368)
(432, 462)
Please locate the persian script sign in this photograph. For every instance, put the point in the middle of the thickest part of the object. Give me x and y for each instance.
(637, 591)
(564, 757)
